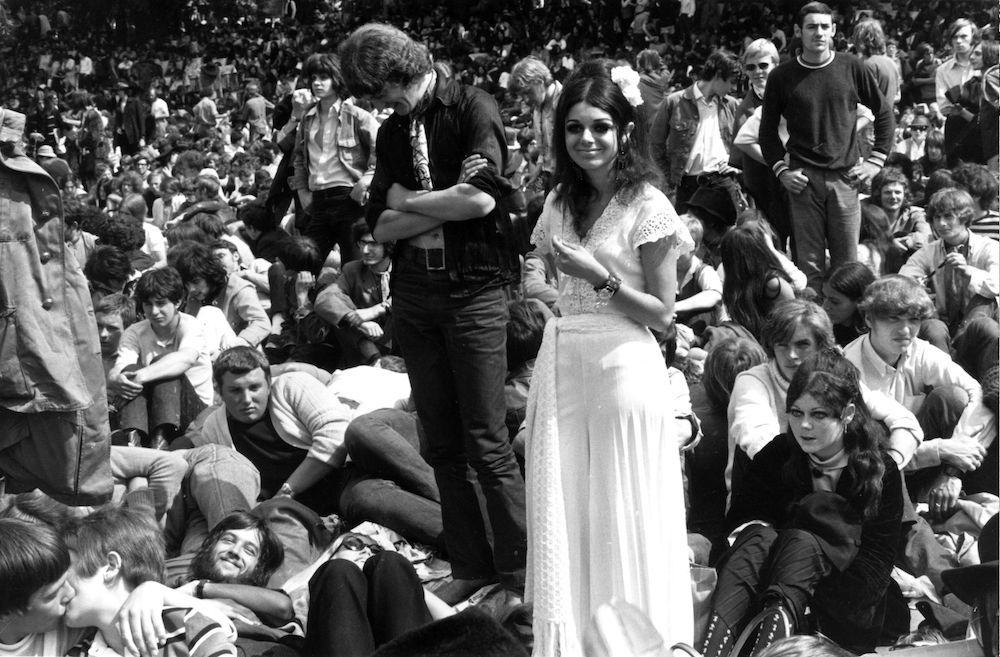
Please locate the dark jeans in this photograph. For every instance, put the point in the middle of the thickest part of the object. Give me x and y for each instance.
(394, 486)
(456, 357)
(330, 218)
(764, 564)
(169, 402)
(352, 612)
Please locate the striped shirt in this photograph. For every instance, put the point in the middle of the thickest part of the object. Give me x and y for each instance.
(190, 633)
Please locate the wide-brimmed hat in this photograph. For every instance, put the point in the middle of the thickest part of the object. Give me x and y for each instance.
(46, 151)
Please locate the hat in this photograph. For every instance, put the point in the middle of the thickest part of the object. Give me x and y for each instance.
(46, 151)
(969, 582)
(714, 202)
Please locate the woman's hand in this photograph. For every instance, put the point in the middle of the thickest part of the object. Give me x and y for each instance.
(576, 261)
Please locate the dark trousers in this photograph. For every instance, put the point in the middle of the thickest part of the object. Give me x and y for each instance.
(765, 564)
(393, 486)
(330, 218)
(354, 611)
(171, 402)
(456, 357)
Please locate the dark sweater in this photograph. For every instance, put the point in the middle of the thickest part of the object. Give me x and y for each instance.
(820, 106)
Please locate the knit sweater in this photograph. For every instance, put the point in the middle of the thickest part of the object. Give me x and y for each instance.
(304, 414)
(820, 105)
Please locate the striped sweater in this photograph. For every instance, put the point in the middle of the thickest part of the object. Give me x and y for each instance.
(190, 633)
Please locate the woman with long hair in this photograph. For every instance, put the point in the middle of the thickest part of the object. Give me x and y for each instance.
(816, 522)
(755, 279)
(842, 291)
(605, 500)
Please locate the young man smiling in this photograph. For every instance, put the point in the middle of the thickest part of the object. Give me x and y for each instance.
(817, 93)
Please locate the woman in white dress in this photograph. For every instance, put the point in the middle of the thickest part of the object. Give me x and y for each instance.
(605, 502)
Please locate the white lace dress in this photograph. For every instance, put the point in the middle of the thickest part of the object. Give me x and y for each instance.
(605, 502)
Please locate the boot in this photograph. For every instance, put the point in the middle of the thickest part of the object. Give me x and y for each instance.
(719, 638)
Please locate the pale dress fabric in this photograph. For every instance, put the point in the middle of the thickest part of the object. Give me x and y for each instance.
(605, 500)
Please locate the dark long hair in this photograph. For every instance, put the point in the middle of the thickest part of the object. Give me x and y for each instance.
(833, 381)
(591, 83)
(272, 553)
(749, 263)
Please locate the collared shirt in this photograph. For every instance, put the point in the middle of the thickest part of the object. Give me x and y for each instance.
(708, 152)
(950, 74)
(325, 167)
(920, 366)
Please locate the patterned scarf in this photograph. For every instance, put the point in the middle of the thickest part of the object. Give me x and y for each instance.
(418, 137)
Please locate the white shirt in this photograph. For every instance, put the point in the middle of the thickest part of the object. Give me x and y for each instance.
(325, 167)
(708, 152)
(923, 365)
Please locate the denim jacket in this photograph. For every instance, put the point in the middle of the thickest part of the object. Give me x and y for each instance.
(356, 138)
(674, 127)
(50, 356)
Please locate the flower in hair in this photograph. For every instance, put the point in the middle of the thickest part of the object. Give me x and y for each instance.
(628, 81)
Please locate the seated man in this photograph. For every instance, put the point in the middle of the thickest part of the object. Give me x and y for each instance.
(162, 369)
(357, 305)
(959, 450)
(113, 551)
(241, 300)
(962, 267)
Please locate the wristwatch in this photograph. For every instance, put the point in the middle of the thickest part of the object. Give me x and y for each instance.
(285, 491)
(608, 287)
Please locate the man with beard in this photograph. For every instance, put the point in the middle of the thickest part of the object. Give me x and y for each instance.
(233, 566)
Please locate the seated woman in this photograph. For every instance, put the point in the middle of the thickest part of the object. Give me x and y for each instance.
(817, 523)
(357, 305)
(794, 331)
(364, 597)
(755, 280)
(907, 225)
(842, 291)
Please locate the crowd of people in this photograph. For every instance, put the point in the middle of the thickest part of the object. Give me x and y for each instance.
(540, 329)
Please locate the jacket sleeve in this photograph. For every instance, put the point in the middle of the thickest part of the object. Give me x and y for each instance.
(659, 132)
(770, 143)
(368, 127)
(247, 305)
(872, 98)
(300, 175)
(865, 580)
(984, 269)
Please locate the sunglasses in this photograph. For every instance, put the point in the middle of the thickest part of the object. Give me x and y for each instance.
(919, 128)
(356, 544)
(762, 66)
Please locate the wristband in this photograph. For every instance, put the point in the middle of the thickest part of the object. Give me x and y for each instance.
(199, 589)
(609, 287)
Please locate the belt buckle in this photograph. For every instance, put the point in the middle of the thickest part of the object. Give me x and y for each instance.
(434, 259)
